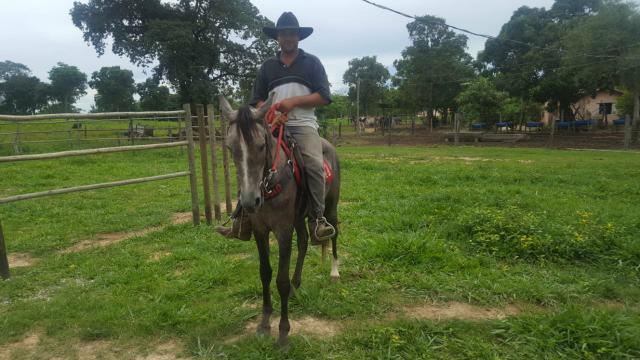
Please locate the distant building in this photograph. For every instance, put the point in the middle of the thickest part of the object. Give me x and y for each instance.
(601, 106)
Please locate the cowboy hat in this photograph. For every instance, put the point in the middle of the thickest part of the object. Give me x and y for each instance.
(287, 21)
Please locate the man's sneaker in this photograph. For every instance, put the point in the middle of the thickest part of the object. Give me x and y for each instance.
(321, 230)
(240, 229)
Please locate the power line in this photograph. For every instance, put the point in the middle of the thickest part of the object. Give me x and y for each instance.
(482, 35)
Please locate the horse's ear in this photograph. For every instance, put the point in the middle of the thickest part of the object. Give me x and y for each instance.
(258, 114)
(226, 109)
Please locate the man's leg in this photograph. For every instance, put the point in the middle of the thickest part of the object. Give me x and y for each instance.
(310, 145)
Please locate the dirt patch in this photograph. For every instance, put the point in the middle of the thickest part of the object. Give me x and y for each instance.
(21, 260)
(157, 256)
(462, 311)
(181, 218)
(306, 326)
(239, 257)
(27, 345)
(34, 345)
(164, 351)
(104, 240)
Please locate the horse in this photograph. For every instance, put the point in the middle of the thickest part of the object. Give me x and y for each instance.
(254, 148)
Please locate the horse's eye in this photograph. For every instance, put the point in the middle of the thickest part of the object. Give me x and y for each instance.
(261, 147)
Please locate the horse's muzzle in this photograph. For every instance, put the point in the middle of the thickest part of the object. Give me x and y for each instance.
(251, 203)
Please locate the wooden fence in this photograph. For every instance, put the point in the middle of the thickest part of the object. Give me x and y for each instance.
(206, 137)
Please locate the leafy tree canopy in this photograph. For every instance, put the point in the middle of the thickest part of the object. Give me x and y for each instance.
(373, 77)
(23, 95)
(155, 97)
(115, 89)
(10, 68)
(526, 58)
(199, 45)
(433, 68)
(68, 84)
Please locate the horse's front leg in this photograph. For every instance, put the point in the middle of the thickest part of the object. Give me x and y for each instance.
(303, 243)
(284, 285)
(262, 241)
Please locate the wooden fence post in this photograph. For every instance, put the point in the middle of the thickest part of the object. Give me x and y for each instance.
(456, 126)
(4, 260)
(214, 163)
(553, 130)
(195, 209)
(16, 140)
(204, 162)
(627, 132)
(225, 165)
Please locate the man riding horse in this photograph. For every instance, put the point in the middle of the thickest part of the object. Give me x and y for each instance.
(299, 83)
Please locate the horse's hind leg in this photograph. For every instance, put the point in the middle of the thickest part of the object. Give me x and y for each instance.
(303, 243)
(332, 217)
(262, 241)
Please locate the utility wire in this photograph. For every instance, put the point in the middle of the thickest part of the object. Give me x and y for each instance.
(481, 35)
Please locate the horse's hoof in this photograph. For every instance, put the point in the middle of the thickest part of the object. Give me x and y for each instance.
(283, 343)
(335, 279)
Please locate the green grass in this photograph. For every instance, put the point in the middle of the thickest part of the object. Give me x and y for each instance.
(553, 232)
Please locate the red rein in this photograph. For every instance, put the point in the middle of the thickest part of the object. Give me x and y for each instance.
(271, 117)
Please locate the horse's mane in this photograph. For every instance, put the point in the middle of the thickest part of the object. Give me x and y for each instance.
(246, 123)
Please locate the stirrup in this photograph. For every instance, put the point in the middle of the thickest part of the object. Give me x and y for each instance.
(326, 237)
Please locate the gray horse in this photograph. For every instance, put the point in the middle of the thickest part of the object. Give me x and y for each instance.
(254, 148)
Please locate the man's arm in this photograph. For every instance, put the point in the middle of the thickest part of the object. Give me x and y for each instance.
(305, 101)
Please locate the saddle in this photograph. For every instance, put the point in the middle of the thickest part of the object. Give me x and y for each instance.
(294, 158)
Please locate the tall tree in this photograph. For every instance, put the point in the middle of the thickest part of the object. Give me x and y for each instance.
(115, 88)
(481, 101)
(23, 95)
(9, 68)
(526, 57)
(371, 76)
(433, 68)
(68, 84)
(613, 34)
(155, 97)
(198, 45)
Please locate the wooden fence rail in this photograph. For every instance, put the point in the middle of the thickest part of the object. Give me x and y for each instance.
(200, 127)
(64, 154)
(181, 116)
(15, 198)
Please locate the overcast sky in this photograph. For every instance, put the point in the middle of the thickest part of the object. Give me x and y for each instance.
(39, 33)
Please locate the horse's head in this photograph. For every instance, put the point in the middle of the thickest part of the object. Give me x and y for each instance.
(248, 139)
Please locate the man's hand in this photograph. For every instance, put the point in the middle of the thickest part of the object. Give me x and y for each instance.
(286, 105)
(280, 119)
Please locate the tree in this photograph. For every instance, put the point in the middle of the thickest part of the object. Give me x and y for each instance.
(115, 89)
(432, 70)
(526, 57)
(199, 45)
(154, 97)
(613, 34)
(68, 84)
(10, 68)
(371, 76)
(339, 108)
(481, 101)
(23, 95)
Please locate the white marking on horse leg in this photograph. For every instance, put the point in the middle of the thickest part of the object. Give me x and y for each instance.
(335, 275)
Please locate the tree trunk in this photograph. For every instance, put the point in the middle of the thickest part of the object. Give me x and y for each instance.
(636, 116)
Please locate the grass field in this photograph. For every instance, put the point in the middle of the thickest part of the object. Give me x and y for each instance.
(446, 253)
